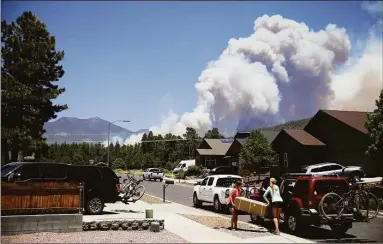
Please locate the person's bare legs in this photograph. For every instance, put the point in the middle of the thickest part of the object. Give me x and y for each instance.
(235, 220)
(232, 218)
(275, 219)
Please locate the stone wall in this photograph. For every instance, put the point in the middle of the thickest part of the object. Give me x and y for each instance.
(24, 224)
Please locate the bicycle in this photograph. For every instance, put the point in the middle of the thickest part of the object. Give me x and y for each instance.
(333, 206)
(132, 190)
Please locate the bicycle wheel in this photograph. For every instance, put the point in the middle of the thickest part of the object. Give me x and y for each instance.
(367, 206)
(331, 206)
(138, 192)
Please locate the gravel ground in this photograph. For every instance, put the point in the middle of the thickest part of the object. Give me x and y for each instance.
(222, 224)
(96, 237)
(152, 200)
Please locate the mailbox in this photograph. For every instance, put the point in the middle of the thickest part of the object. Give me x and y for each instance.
(169, 182)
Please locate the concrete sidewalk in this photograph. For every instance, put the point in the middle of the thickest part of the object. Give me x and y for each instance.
(186, 228)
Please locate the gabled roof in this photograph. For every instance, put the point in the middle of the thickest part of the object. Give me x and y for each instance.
(304, 138)
(269, 134)
(218, 147)
(355, 119)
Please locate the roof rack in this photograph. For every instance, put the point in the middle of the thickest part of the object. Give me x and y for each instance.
(309, 175)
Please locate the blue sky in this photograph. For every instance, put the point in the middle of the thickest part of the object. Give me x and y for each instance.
(136, 60)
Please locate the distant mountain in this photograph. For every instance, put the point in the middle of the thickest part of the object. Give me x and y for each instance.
(70, 129)
(296, 124)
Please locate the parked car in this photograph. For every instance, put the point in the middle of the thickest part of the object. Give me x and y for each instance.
(214, 189)
(153, 174)
(101, 184)
(184, 165)
(334, 169)
(301, 196)
(224, 170)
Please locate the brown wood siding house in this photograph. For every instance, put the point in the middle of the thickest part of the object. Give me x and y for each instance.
(211, 153)
(346, 137)
(295, 148)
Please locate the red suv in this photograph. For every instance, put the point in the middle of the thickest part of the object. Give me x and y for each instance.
(301, 196)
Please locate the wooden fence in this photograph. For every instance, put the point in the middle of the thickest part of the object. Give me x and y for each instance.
(41, 197)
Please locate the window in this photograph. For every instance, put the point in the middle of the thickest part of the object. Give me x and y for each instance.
(210, 182)
(324, 186)
(276, 157)
(204, 182)
(285, 160)
(51, 171)
(183, 165)
(226, 182)
(335, 167)
(210, 161)
(319, 169)
(301, 187)
(30, 171)
(155, 170)
(6, 169)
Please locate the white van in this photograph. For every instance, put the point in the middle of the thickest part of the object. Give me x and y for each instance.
(184, 165)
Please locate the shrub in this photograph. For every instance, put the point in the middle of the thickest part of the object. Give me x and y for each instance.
(194, 171)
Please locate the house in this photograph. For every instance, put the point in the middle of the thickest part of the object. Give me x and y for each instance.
(295, 148)
(346, 137)
(232, 155)
(211, 153)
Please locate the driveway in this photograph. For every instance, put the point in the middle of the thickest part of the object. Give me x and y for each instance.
(360, 233)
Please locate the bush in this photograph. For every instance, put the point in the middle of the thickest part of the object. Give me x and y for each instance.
(119, 171)
(194, 171)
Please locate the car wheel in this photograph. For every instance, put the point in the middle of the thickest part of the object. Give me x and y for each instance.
(196, 202)
(161, 179)
(217, 204)
(293, 223)
(339, 230)
(94, 205)
(256, 219)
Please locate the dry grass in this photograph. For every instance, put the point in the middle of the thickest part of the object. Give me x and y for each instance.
(152, 200)
(222, 224)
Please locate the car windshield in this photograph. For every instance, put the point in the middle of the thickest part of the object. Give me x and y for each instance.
(227, 182)
(8, 168)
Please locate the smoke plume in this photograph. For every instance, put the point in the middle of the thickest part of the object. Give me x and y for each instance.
(281, 72)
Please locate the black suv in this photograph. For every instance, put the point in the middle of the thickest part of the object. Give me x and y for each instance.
(101, 184)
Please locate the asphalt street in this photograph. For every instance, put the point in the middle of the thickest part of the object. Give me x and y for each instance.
(360, 233)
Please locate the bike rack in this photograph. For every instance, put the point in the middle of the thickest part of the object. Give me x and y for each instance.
(166, 184)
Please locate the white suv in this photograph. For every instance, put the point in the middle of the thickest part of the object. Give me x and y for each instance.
(214, 189)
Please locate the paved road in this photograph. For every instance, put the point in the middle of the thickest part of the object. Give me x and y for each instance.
(360, 233)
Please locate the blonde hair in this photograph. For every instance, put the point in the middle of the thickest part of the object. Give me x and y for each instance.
(272, 181)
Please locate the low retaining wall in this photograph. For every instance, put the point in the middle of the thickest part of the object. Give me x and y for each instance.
(24, 224)
(143, 224)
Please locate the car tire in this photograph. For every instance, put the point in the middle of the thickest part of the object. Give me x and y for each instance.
(293, 222)
(256, 219)
(339, 230)
(196, 202)
(161, 179)
(94, 205)
(217, 205)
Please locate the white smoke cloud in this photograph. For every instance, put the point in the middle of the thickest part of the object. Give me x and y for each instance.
(373, 7)
(282, 71)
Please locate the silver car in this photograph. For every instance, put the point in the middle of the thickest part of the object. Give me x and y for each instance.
(334, 169)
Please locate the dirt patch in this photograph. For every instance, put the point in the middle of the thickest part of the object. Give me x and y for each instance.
(222, 224)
